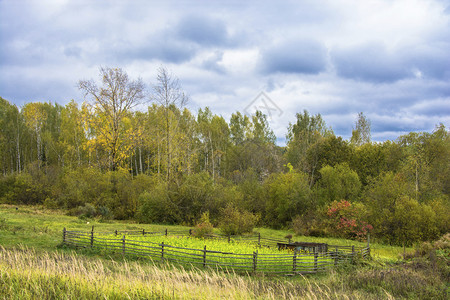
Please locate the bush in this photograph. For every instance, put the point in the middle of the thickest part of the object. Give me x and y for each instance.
(204, 226)
(195, 195)
(51, 203)
(442, 245)
(86, 211)
(25, 191)
(157, 207)
(6, 184)
(308, 226)
(235, 222)
(287, 195)
(105, 212)
(347, 220)
(336, 183)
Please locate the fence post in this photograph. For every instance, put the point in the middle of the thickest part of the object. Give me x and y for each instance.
(294, 261)
(162, 252)
(143, 231)
(64, 235)
(190, 232)
(166, 231)
(259, 239)
(336, 256)
(353, 253)
(315, 261)
(204, 257)
(255, 260)
(92, 237)
(116, 231)
(123, 245)
(368, 244)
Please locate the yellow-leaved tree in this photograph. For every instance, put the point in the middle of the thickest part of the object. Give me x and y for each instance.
(110, 107)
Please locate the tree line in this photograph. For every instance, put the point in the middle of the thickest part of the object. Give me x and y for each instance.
(166, 164)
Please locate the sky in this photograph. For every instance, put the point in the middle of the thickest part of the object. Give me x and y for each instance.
(387, 59)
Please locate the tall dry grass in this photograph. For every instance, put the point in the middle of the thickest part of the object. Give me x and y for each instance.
(28, 274)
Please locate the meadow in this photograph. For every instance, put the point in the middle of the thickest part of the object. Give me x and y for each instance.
(33, 264)
(42, 228)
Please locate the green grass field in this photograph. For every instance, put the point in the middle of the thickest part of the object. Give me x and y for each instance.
(41, 228)
(33, 265)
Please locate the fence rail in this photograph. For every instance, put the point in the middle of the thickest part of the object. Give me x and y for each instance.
(298, 262)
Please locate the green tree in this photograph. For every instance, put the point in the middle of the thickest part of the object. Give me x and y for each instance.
(437, 153)
(305, 132)
(329, 151)
(215, 137)
(195, 196)
(251, 188)
(412, 222)
(426, 164)
(257, 149)
(287, 195)
(189, 143)
(53, 149)
(12, 138)
(361, 132)
(396, 216)
(239, 128)
(368, 160)
(263, 159)
(72, 134)
(393, 156)
(338, 183)
(261, 131)
(416, 163)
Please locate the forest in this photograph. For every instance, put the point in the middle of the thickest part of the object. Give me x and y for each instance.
(166, 164)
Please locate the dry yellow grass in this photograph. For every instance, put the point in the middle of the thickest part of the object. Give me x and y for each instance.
(27, 274)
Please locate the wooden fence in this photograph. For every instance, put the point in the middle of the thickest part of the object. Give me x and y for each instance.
(293, 262)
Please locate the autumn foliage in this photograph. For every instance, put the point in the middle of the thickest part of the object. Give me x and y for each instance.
(347, 220)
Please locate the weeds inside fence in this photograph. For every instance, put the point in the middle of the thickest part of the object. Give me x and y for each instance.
(241, 254)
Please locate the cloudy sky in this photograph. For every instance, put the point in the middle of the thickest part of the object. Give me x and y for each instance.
(387, 59)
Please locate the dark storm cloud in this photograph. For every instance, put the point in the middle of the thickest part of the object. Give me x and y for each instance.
(294, 56)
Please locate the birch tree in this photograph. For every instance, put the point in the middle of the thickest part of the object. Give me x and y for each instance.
(167, 92)
(361, 132)
(35, 117)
